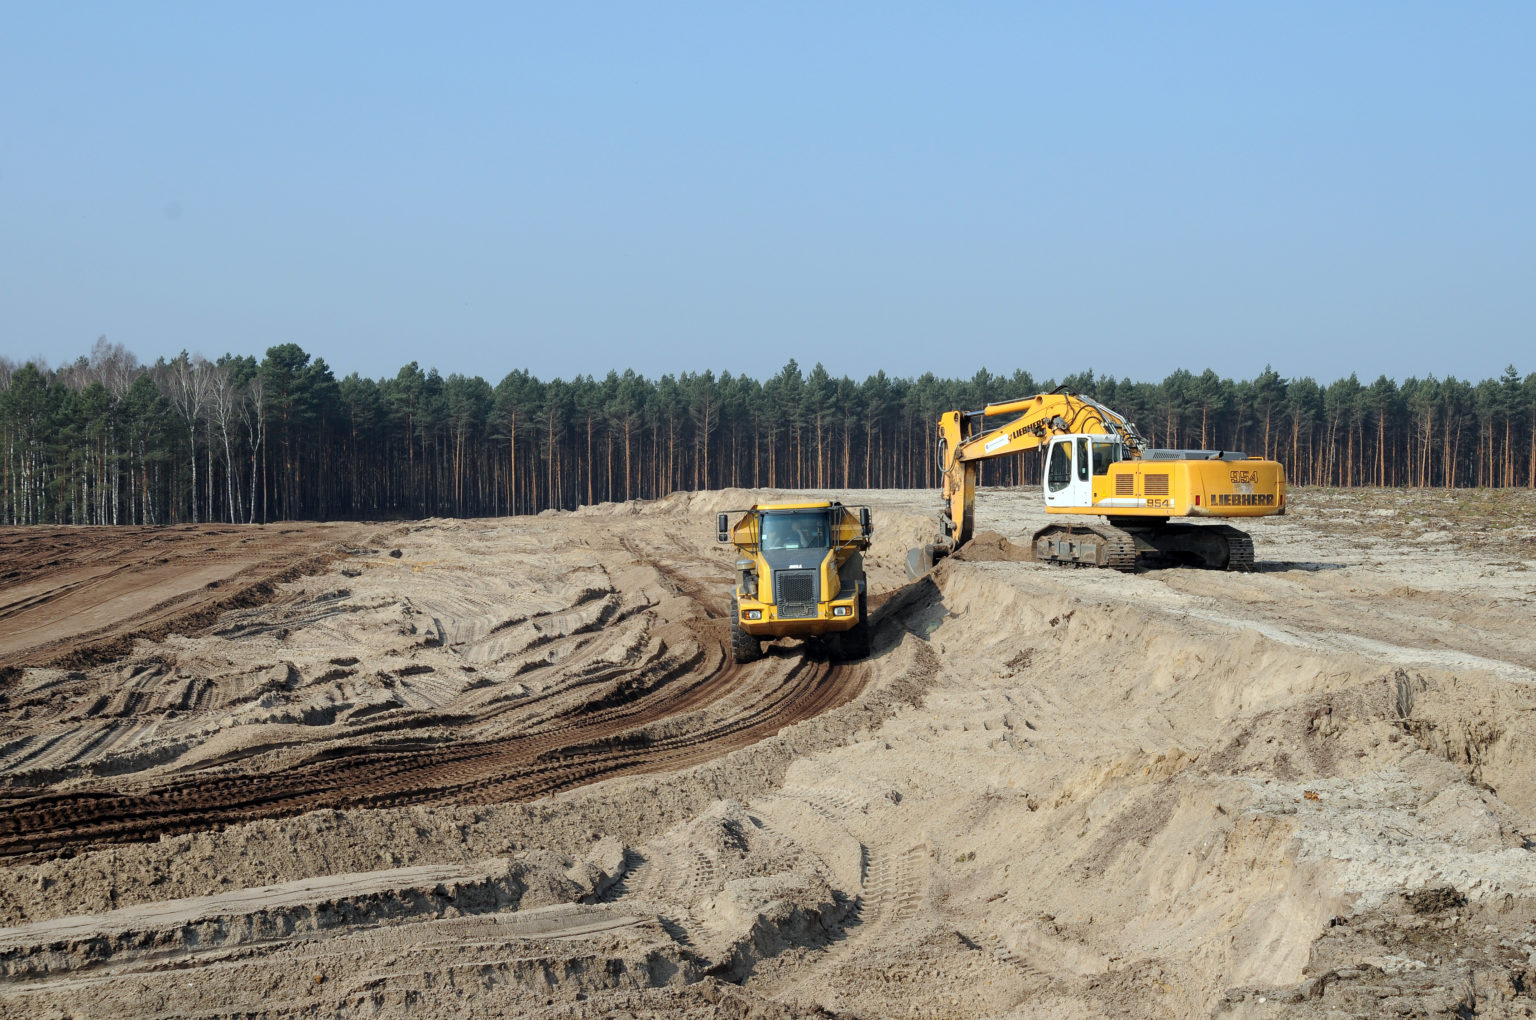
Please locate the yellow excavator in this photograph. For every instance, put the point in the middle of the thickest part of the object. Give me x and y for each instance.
(1097, 464)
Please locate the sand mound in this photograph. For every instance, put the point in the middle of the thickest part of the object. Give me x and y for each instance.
(991, 547)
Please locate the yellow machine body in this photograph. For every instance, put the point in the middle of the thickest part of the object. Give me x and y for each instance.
(759, 615)
(1090, 474)
(799, 573)
(1186, 488)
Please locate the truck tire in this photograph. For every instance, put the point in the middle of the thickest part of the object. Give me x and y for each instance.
(856, 639)
(744, 647)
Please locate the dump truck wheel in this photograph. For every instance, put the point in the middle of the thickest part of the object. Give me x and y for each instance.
(744, 647)
(856, 639)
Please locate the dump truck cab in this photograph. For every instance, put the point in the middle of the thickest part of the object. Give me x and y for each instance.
(799, 573)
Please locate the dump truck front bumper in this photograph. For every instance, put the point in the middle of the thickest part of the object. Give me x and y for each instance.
(761, 619)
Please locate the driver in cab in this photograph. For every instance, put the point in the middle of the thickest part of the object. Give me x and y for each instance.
(801, 533)
(807, 535)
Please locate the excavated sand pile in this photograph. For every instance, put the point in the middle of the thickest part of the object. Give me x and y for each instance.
(506, 767)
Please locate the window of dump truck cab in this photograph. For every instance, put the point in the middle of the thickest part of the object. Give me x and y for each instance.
(1058, 474)
(1104, 454)
(802, 529)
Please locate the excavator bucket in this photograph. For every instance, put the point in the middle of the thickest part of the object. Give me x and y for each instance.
(926, 557)
(919, 561)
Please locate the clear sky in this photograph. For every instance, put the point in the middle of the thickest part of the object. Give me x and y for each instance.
(573, 187)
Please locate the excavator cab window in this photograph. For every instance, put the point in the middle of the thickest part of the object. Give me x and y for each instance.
(1104, 454)
(1058, 473)
(1082, 460)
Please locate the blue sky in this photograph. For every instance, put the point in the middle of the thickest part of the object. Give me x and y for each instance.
(570, 188)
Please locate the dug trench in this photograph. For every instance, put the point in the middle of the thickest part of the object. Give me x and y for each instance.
(1048, 792)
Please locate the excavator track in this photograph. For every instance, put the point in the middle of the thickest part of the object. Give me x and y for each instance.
(1212, 546)
(1086, 545)
(1239, 547)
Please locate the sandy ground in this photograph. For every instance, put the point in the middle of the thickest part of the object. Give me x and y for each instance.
(77, 595)
(505, 767)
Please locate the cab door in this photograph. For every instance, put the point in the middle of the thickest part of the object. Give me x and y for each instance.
(1068, 474)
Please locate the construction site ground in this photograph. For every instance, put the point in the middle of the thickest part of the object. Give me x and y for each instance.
(507, 767)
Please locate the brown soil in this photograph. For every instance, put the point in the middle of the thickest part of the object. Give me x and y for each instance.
(507, 767)
(76, 596)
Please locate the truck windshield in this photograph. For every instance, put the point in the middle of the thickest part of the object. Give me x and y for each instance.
(798, 530)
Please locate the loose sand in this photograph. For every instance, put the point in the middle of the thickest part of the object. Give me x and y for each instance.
(505, 766)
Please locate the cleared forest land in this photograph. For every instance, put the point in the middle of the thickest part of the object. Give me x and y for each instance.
(75, 595)
(460, 766)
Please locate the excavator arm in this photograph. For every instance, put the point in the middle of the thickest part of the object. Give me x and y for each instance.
(964, 442)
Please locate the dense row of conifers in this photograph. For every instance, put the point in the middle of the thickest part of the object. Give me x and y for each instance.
(108, 440)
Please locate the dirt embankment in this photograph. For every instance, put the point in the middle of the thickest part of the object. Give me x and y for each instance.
(1048, 792)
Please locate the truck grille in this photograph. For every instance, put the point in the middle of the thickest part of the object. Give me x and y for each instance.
(794, 592)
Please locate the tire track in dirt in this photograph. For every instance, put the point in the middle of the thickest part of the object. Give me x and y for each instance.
(710, 595)
(519, 768)
(688, 706)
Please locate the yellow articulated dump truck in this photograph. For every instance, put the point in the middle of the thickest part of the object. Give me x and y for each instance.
(799, 573)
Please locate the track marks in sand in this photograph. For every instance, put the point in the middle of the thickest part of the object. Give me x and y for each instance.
(409, 684)
(80, 596)
(887, 874)
(894, 887)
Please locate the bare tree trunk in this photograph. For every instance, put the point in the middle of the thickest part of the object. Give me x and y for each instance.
(189, 395)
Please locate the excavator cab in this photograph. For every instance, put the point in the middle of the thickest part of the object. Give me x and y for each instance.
(1073, 461)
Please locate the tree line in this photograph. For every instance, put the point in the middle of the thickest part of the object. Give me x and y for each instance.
(108, 440)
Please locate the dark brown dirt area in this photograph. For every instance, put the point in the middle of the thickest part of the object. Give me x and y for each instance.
(74, 596)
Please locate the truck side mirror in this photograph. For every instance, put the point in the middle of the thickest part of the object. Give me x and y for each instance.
(723, 526)
(864, 519)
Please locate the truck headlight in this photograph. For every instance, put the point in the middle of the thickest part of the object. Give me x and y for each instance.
(753, 614)
(841, 610)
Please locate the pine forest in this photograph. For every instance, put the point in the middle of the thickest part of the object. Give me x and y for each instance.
(108, 440)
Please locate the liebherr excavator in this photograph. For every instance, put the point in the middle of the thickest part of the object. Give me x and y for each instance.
(1097, 464)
